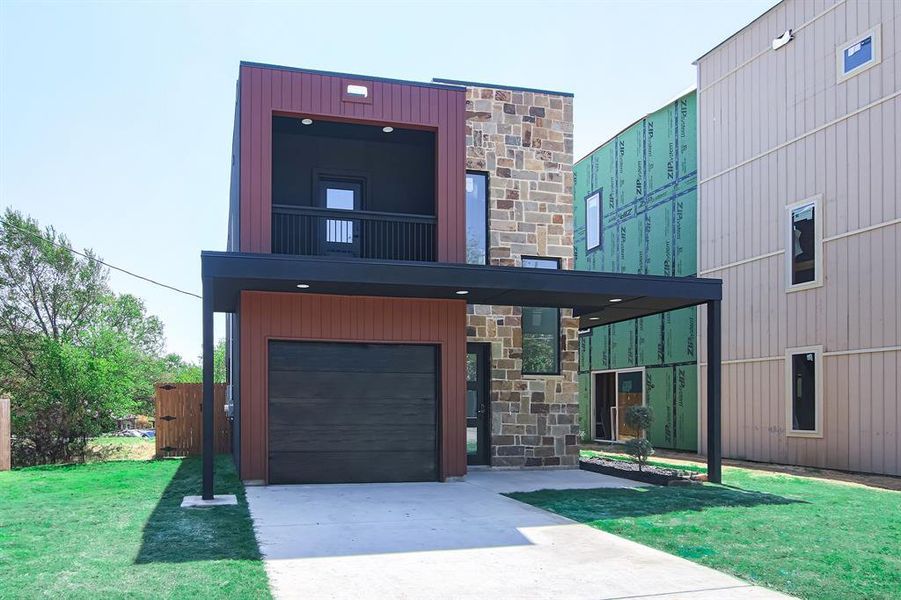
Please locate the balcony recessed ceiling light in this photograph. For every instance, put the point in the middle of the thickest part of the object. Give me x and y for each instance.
(303, 286)
(616, 299)
(387, 129)
(594, 318)
(462, 292)
(307, 121)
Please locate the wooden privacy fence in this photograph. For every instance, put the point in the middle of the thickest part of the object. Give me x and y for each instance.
(5, 435)
(179, 419)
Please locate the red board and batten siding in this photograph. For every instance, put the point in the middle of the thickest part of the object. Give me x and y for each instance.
(265, 91)
(269, 316)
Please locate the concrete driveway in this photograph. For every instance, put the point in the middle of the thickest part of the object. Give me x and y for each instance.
(461, 540)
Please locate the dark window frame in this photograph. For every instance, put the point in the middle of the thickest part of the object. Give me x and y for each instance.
(600, 244)
(487, 177)
(558, 369)
(319, 175)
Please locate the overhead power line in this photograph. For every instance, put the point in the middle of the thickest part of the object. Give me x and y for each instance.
(106, 264)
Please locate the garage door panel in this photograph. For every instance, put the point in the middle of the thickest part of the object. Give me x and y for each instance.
(351, 467)
(339, 386)
(350, 438)
(347, 412)
(349, 358)
(378, 412)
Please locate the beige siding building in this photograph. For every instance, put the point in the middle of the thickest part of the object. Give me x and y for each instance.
(800, 215)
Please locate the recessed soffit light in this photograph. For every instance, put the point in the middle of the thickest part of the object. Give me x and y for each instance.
(462, 292)
(307, 121)
(616, 299)
(594, 318)
(303, 286)
(387, 129)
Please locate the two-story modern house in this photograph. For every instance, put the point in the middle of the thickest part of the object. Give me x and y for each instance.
(398, 281)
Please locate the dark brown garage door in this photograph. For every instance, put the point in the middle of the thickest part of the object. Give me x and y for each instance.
(341, 413)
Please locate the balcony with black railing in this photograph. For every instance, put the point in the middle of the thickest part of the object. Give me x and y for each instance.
(360, 234)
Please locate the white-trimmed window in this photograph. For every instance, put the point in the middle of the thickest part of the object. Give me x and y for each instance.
(804, 245)
(613, 393)
(858, 54)
(593, 220)
(804, 389)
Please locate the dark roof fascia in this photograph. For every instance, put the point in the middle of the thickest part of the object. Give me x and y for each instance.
(498, 86)
(424, 84)
(587, 291)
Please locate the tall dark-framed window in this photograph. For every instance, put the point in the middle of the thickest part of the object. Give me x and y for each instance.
(593, 231)
(805, 391)
(477, 217)
(540, 329)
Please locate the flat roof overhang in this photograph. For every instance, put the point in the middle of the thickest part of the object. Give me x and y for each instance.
(591, 295)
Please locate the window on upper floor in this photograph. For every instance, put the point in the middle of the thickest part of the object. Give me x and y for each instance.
(593, 220)
(476, 218)
(804, 390)
(858, 54)
(804, 245)
(540, 330)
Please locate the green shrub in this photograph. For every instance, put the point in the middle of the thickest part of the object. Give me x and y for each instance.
(639, 418)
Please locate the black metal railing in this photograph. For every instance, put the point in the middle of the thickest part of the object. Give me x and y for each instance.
(311, 231)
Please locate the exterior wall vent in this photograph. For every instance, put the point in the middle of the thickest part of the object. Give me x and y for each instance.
(783, 39)
(356, 91)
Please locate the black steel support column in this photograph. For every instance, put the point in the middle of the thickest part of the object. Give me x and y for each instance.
(714, 393)
(207, 410)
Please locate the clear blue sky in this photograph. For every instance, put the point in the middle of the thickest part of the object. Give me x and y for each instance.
(116, 117)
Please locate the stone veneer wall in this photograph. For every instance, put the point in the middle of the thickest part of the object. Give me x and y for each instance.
(524, 141)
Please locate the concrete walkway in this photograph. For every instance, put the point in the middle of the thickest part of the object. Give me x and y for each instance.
(462, 540)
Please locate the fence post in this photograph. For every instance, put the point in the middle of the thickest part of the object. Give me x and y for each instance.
(5, 435)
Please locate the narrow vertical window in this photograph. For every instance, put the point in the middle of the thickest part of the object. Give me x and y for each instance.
(540, 330)
(803, 245)
(804, 390)
(593, 220)
(476, 218)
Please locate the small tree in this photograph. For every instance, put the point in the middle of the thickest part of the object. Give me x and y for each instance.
(639, 418)
(73, 355)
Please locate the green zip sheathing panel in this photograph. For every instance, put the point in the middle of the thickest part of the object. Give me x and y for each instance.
(647, 179)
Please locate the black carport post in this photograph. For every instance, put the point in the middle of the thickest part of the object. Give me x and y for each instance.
(207, 409)
(714, 408)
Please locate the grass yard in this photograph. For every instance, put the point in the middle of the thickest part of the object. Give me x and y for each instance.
(116, 530)
(807, 537)
(120, 448)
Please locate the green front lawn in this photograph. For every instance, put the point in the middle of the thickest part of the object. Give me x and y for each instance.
(807, 537)
(120, 448)
(116, 530)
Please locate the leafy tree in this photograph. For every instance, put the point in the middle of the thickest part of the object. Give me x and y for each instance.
(126, 314)
(81, 390)
(639, 418)
(177, 370)
(73, 355)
